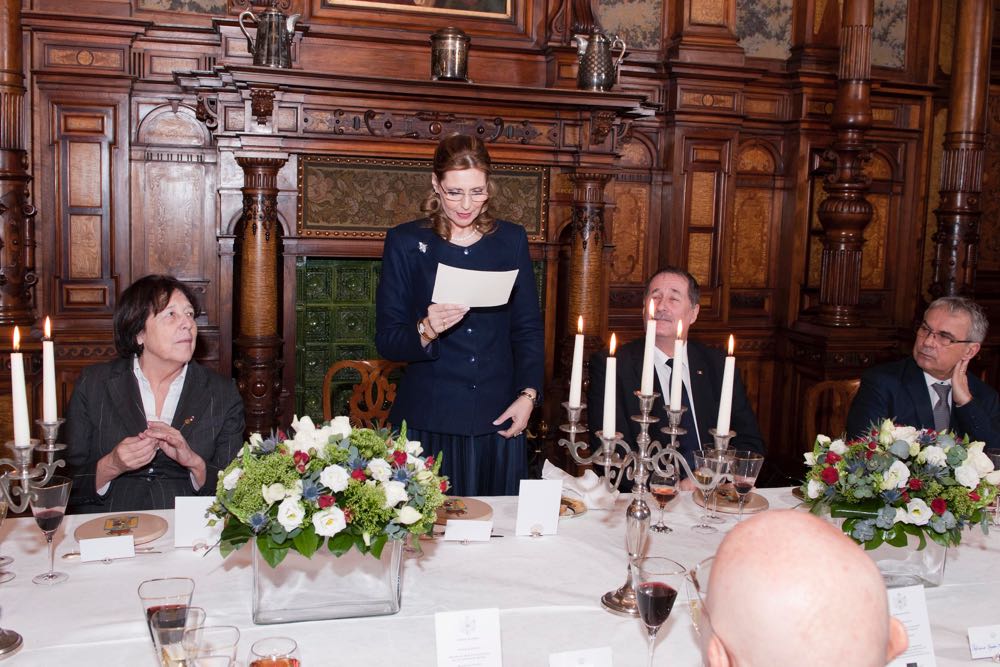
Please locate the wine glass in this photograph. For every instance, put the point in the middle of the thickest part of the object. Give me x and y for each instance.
(659, 580)
(711, 465)
(167, 624)
(211, 644)
(663, 487)
(48, 505)
(275, 652)
(4, 560)
(746, 466)
(163, 594)
(696, 582)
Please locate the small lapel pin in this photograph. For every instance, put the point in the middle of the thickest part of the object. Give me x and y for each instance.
(421, 246)
(189, 420)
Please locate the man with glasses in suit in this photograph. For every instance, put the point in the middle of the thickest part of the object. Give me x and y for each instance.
(932, 388)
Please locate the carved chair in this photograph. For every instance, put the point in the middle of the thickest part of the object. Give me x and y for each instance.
(826, 407)
(371, 396)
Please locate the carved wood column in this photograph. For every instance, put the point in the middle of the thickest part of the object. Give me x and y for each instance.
(17, 257)
(258, 344)
(586, 289)
(845, 212)
(957, 237)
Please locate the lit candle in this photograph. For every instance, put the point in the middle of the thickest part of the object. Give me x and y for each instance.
(726, 400)
(609, 392)
(646, 385)
(48, 376)
(19, 397)
(576, 371)
(677, 373)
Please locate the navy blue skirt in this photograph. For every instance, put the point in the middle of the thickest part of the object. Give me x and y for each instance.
(477, 465)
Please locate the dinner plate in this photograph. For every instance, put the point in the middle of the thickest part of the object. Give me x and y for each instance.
(468, 509)
(142, 527)
(729, 501)
(571, 507)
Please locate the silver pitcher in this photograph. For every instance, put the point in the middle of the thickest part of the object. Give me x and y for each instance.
(273, 46)
(450, 55)
(596, 70)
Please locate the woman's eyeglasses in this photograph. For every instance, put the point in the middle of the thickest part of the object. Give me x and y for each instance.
(459, 195)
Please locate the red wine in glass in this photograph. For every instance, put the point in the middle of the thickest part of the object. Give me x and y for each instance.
(663, 494)
(48, 520)
(276, 662)
(48, 504)
(655, 600)
(743, 487)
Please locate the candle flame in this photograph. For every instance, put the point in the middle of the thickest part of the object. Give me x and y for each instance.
(17, 339)
(48, 327)
(652, 309)
(732, 345)
(680, 327)
(579, 324)
(614, 344)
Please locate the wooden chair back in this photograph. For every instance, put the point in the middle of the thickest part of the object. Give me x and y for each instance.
(826, 406)
(372, 394)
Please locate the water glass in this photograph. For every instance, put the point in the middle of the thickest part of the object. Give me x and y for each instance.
(211, 643)
(166, 593)
(275, 652)
(168, 625)
(711, 466)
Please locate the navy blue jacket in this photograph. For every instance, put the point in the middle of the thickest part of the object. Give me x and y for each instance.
(898, 390)
(467, 377)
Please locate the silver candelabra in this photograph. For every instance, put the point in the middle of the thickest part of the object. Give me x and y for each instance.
(636, 466)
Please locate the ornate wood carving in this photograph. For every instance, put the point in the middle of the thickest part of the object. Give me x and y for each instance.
(588, 235)
(17, 228)
(959, 211)
(845, 212)
(262, 104)
(258, 347)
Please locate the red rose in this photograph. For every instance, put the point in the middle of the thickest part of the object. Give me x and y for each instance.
(429, 463)
(830, 475)
(399, 458)
(301, 468)
(868, 455)
(325, 501)
(938, 506)
(872, 445)
(974, 496)
(833, 457)
(444, 485)
(300, 458)
(906, 497)
(358, 474)
(915, 484)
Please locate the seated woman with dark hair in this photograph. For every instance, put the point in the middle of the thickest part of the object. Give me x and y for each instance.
(153, 424)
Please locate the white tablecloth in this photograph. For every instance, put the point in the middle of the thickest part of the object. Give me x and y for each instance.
(548, 591)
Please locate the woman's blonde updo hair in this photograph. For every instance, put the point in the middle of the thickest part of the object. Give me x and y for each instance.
(454, 153)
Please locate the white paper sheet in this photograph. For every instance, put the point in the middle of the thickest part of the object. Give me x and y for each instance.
(190, 527)
(469, 638)
(984, 641)
(476, 289)
(538, 507)
(589, 657)
(100, 548)
(461, 530)
(909, 605)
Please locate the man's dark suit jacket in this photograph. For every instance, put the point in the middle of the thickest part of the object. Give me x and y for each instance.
(705, 365)
(898, 390)
(106, 407)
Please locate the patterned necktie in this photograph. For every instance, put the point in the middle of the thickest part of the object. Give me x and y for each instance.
(688, 443)
(942, 413)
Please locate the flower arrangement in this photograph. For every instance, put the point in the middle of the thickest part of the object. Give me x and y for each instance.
(346, 486)
(899, 481)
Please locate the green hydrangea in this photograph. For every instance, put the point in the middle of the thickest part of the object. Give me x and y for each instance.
(246, 498)
(369, 443)
(367, 506)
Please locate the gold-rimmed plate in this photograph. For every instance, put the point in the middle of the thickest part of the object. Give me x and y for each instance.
(142, 527)
(467, 509)
(729, 501)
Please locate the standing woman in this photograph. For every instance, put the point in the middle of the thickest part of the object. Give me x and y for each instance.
(473, 375)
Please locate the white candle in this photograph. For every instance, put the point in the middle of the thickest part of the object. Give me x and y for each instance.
(726, 399)
(677, 374)
(48, 376)
(19, 396)
(609, 392)
(576, 371)
(646, 385)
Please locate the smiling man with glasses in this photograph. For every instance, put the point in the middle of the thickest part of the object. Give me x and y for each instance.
(933, 388)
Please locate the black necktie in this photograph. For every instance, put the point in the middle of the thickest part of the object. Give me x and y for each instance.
(687, 444)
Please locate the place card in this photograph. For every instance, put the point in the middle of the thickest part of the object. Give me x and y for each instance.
(463, 530)
(190, 524)
(107, 548)
(538, 507)
(469, 638)
(588, 657)
(984, 641)
(909, 605)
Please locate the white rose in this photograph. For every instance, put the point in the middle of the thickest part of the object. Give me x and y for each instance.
(810, 459)
(290, 513)
(256, 440)
(907, 434)
(414, 448)
(273, 493)
(329, 522)
(901, 516)
(885, 436)
(340, 426)
(838, 447)
(896, 476)
(917, 512)
(395, 493)
(334, 478)
(822, 440)
(380, 470)
(914, 448)
(933, 455)
(979, 459)
(993, 478)
(815, 488)
(967, 476)
(229, 481)
(407, 515)
(295, 490)
(424, 476)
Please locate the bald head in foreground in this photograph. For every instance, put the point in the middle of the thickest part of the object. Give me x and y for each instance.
(787, 588)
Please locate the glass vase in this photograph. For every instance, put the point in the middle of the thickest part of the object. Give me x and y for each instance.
(326, 587)
(908, 566)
